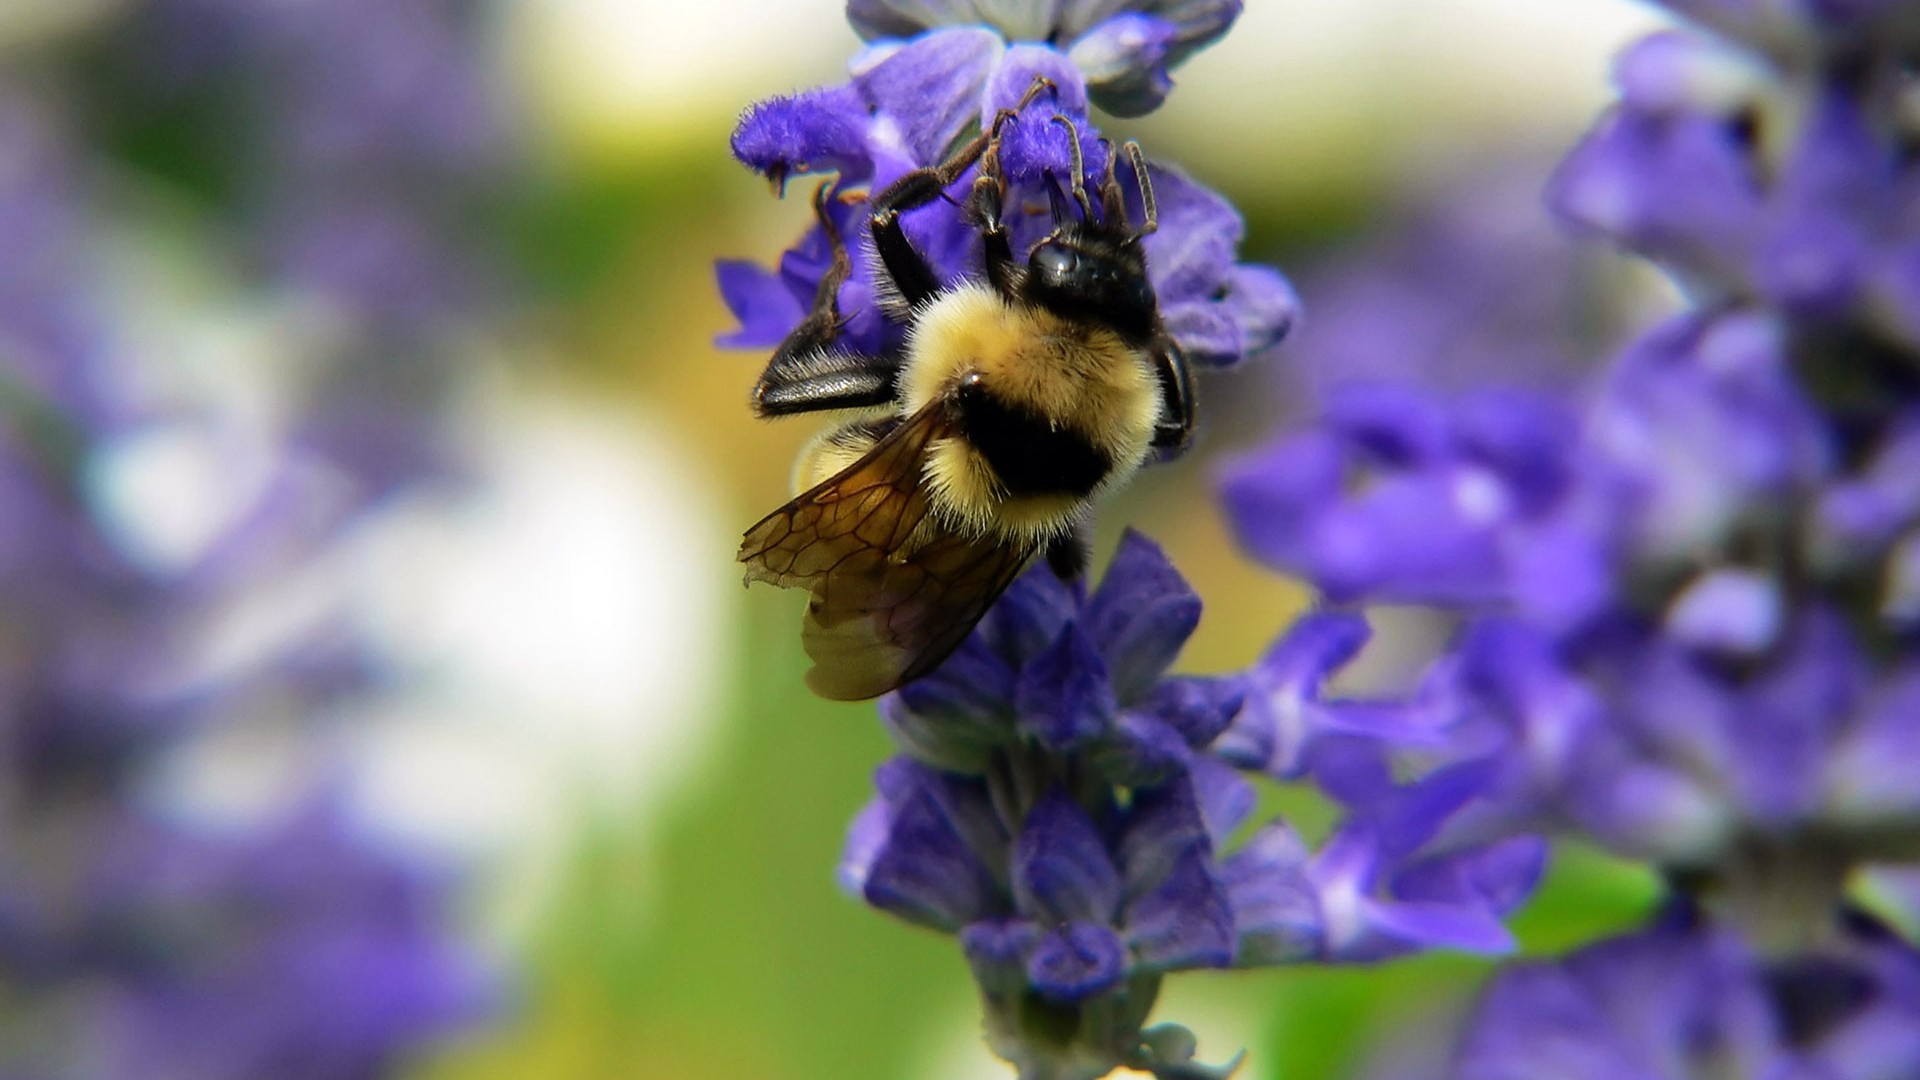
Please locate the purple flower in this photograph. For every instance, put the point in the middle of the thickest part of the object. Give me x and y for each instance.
(1063, 911)
(1078, 674)
(1674, 1002)
(1063, 808)
(1682, 607)
(303, 950)
(154, 507)
(1123, 51)
(1448, 490)
(908, 103)
(1462, 284)
(1703, 169)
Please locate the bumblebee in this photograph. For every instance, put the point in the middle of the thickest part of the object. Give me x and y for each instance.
(1018, 401)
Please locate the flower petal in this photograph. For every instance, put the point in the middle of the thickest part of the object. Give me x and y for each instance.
(1140, 616)
(1061, 869)
(1077, 961)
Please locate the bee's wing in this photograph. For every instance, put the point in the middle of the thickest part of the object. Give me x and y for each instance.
(882, 613)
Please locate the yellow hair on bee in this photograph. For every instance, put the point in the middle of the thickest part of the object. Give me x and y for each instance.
(1081, 377)
(835, 448)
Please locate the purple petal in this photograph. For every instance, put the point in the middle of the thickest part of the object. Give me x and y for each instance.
(819, 130)
(1077, 961)
(1874, 775)
(1199, 708)
(1276, 913)
(1141, 615)
(1226, 799)
(1201, 22)
(1494, 878)
(1032, 144)
(1141, 751)
(1185, 921)
(1676, 189)
(1063, 697)
(760, 299)
(1192, 254)
(1263, 306)
(1281, 716)
(1125, 62)
(1728, 611)
(1273, 496)
(1162, 825)
(997, 950)
(866, 838)
(928, 92)
(1674, 71)
(1061, 868)
(924, 872)
(1030, 617)
(1815, 261)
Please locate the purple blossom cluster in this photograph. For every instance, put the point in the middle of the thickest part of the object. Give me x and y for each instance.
(1076, 817)
(138, 936)
(1682, 604)
(910, 101)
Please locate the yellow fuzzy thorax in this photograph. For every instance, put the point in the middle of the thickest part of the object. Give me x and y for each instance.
(1081, 377)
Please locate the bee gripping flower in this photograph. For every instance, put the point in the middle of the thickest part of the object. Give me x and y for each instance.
(925, 84)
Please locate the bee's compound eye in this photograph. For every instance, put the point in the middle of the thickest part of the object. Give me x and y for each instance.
(1054, 261)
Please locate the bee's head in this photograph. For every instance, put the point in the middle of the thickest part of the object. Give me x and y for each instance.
(1094, 275)
(1094, 270)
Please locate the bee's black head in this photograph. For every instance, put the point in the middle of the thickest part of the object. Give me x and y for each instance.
(1094, 275)
(1095, 270)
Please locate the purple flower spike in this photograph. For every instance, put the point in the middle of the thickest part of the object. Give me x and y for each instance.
(936, 75)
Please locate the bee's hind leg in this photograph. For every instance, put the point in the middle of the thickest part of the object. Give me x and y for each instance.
(804, 376)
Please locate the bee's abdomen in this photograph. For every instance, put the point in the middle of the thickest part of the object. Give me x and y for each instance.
(1030, 455)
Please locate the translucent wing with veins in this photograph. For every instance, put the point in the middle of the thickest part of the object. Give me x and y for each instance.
(894, 591)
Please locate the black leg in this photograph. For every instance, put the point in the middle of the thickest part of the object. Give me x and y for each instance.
(822, 324)
(912, 278)
(1068, 555)
(810, 382)
(986, 207)
(1176, 390)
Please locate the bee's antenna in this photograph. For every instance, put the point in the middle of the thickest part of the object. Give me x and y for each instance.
(1079, 168)
(1139, 163)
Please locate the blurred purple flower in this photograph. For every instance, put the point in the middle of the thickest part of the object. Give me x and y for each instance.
(301, 951)
(1461, 283)
(154, 512)
(1684, 610)
(1673, 1002)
